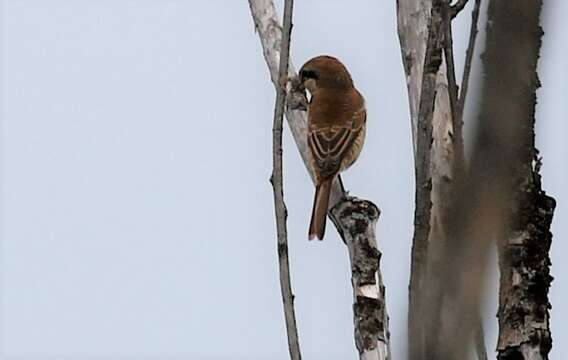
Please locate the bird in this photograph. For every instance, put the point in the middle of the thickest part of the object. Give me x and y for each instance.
(336, 129)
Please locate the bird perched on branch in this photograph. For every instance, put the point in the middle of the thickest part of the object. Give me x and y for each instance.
(336, 128)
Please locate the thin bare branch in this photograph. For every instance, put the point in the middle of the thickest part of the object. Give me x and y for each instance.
(277, 184)
(459, 102)
(457, 124)
(468, 60)
(459, 160)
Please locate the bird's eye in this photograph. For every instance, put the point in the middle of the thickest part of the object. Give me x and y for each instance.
(309, 74)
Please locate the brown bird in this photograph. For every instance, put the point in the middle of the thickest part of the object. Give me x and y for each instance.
(336, 128)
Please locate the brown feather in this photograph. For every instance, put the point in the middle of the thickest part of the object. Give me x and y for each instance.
(319, 210)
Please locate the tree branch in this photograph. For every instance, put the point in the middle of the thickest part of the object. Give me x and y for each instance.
(357, 220)
(457, 116)
(457, 125)
(277, 184)
(468, 60)
(348, 213)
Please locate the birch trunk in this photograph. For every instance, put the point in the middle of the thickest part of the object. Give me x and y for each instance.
(514, 38)
(420, 29)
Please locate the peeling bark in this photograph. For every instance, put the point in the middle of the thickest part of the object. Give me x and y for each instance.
(524, 319)
(356, 219)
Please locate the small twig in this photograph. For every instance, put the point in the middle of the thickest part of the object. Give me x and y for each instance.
(457, 123)
(277, 184)
(457, 104)
(457, 7)
(468, 59)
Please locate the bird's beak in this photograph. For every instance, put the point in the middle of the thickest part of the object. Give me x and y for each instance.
(297, 83)
(297, 99)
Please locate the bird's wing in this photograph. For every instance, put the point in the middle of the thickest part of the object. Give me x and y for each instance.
(329, 145)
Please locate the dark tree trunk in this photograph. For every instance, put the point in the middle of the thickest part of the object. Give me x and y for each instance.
(512, 51)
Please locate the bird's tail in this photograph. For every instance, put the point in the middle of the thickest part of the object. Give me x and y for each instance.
(319, 211)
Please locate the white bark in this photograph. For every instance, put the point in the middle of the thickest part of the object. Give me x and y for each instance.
(356, 220)
(442, 159)
(413, 20)
(415, 24)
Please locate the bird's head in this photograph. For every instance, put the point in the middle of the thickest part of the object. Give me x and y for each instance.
(325, 72)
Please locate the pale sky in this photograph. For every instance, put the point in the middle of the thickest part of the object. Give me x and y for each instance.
(137, 216)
